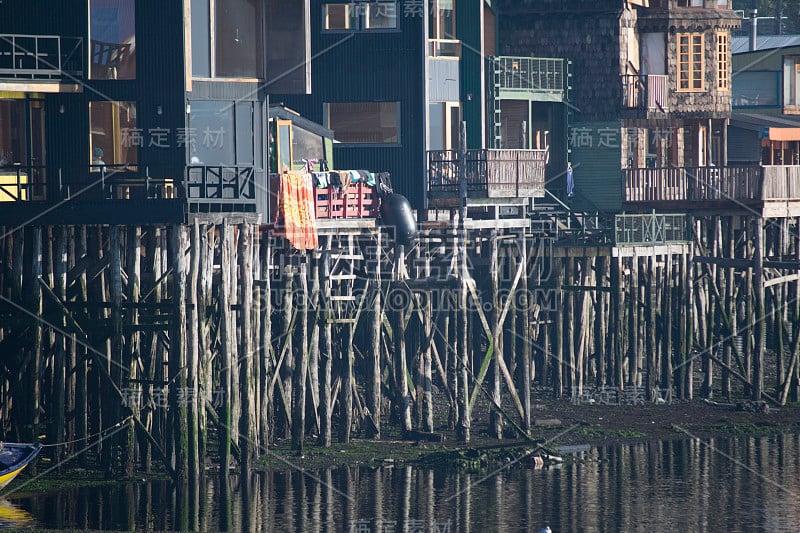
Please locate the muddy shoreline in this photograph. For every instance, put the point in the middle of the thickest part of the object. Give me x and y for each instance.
(558, 423)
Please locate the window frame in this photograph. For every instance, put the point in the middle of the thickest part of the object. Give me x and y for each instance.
(212, 49)
(690, 67)
(89, 51)
(723, 61)
(352, 144)
(778, 90)
(359, 19)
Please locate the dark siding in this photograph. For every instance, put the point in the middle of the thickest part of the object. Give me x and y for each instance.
(597, 170)
(378, 66)
(468, 28)
(744, 146)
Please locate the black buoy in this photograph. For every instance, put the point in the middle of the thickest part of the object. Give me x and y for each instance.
(396, 213)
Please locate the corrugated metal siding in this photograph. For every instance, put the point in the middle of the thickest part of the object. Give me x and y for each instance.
(443, 80)
(362, 67)
(744, 146)
(596, 166)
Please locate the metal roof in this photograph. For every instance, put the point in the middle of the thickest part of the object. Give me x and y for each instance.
(741, 45)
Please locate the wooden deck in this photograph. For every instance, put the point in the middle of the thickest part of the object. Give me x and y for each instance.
(489, 173)
(772, 189)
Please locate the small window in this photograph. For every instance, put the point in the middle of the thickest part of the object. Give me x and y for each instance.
(355, 16)
(690, 62)
(365, 122)
(114, 137)
(112, 32)
(723, 52)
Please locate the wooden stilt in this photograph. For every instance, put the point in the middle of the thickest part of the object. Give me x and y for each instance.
(301, 344)
(759, 324)
(130, 360)
(374, 395)
(248, 443)
(177, 352)
(325, 344)
(225, 352)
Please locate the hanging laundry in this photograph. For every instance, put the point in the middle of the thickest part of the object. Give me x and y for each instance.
(296, 210)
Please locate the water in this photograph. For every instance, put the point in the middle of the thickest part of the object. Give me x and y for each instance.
(713, 485)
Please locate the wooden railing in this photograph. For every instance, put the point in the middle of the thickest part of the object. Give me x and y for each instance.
(645, 92)
(701, 184)
(489, 173)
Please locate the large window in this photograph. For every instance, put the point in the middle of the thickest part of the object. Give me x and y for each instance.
(360, 16)
(112, 32)
(690, 62)
(723, 65)
(365, 122)
(114, 137)
(225, 133)
(755, 89)
(234, 28)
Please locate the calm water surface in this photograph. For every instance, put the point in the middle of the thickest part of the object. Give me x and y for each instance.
(710, 485)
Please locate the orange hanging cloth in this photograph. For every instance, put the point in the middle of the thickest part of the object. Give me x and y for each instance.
(296, 210)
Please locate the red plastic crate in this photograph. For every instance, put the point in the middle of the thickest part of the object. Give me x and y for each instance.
(360, 201)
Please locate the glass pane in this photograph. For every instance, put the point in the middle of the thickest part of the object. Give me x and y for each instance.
(201, 38)
(306, 145)
(340, 17)
(365, 122)
(114, 138)
(211, 133)
(13, 135)
(284, 147)
(382, 15)
(244, 133)
(238, 39)
(112, 29)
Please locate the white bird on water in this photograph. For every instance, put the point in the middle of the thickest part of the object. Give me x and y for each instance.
(545, 529)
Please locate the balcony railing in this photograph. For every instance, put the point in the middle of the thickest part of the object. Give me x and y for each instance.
(489, 173)
(40, 57)
(645, 92)
(529, 73)
(711, 184)
(649, 228)
(199, 184)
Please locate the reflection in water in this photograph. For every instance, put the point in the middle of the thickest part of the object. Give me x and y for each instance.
(14, 516)
(731, 485)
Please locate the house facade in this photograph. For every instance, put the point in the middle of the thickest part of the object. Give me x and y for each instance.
(651, 91)
(121, 102)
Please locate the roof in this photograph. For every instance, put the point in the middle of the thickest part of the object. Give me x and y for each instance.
(776, 128)
(741, 45)
(284, 113)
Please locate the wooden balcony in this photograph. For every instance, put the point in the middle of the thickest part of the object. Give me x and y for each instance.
(697, 187)
(648, 93)
(489, 173)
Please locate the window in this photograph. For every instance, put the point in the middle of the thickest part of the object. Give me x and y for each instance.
(224, 133)
(234, 28)
(365, 122)
(114, 138)
(13, 134)
(690, 62)
(360, 16)
(755, 89)
(112, 30)
(723, 52)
